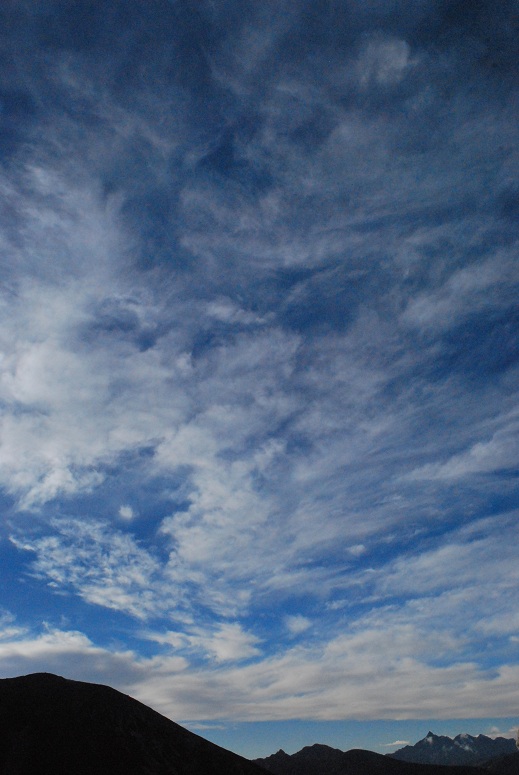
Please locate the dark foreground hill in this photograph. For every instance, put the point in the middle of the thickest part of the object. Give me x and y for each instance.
(323, 760)
(504, 765)
(462, 749)
(53, 726)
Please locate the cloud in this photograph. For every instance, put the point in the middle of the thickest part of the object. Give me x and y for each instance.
(63, 421)
(104, 567)
(8, 628)
(67, 653)
(300, 684)
(435, 636)
(468, 291)
(126, 513)
(228, 642)
(383, 62)
(496, 732)
(297, 624)
(498, 453)
(397, 743)
(444, 582)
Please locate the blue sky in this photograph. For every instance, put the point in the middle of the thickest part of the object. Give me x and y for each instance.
(259, 362)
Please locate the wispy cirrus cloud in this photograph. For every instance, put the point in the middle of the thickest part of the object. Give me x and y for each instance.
(103, 566)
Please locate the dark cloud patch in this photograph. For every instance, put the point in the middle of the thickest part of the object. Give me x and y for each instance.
(78, 25)
(482, 348)
(129, 170)
(118, 320)
(273, 288)
(135, 53)
(330, 299)
(153, 218)
(218, 334)
(312, 132)
(18, 113)
(481, 21)
(507, 204)
(328, 25)
(227, 161)
(168, 54)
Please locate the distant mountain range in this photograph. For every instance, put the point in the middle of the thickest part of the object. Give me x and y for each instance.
(323, 760)
(462, 749)
(499, 757)
(54, 726)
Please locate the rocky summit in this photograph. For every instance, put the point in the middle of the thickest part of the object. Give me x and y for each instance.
(462, 749)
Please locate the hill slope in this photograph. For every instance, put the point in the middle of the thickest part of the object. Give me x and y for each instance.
(54, 725)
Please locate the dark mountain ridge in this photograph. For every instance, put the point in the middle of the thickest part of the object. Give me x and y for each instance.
(55, 726)
(323, 760)
(462, 749)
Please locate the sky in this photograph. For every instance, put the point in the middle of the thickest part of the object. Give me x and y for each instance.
(259, 350)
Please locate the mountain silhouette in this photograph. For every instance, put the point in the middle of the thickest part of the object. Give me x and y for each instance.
(323, 760)
(55, 726)
(462, 749)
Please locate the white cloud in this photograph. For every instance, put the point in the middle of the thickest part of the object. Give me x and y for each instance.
(103, 566)
(71, 654)
(126, 513)
(229, 643)
(385, 662)
(8, 629)
(499, 452)
(226, 311)
(383, 62)
(463, 559)
(357, 550)
(497, 732)
(297, 624)
(70, 406)
(469, 290)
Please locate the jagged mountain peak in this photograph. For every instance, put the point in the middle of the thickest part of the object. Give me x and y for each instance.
(462, 749)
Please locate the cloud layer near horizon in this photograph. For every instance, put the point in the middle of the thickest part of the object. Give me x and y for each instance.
(259, 355)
